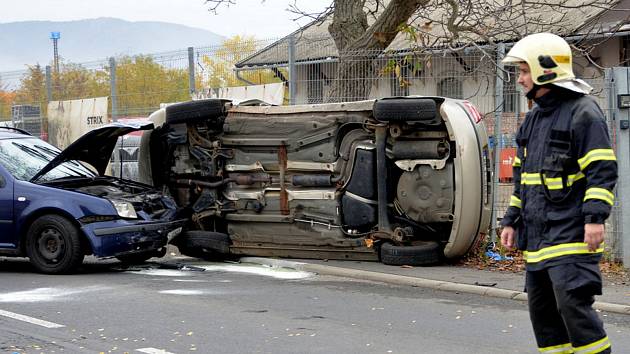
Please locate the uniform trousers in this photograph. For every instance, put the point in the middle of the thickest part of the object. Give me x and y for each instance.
(560, 306)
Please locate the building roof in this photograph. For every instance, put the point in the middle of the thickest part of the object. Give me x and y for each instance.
(313, 43)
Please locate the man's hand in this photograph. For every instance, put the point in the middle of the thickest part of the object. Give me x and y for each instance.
(593, 235)
(507, 237)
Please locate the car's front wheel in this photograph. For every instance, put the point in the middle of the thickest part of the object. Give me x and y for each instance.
(53, 245)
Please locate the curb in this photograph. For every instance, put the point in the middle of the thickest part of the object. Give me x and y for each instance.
(415, 282)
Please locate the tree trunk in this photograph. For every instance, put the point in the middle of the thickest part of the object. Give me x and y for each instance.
(358, 45)
(355, 73)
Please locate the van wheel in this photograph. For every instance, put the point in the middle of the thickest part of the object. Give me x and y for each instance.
(53, 245)
(424, 253)
(204, 244)
(406, 110)
(195, 111)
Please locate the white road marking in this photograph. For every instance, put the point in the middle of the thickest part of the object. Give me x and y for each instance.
(153, 351)
(33, 320)
(47, 294)
(182, 292)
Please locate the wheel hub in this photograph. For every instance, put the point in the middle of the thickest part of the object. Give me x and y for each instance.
(51, 245)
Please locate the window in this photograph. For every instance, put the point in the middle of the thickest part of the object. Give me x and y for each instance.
(450, 87)
(25, 157)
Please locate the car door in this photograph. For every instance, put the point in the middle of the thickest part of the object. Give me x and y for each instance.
(6, 210)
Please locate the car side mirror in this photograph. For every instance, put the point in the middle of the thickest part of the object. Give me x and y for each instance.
(3, 182)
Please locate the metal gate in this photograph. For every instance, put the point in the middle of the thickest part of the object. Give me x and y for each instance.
(28, 118)
(619, 108)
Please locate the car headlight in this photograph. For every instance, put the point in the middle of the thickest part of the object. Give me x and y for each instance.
(124, 209)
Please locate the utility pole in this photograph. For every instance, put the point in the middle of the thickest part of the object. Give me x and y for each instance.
(498, 115)
(112, 87)
(48, 84)
(191, 72)
(55, 36)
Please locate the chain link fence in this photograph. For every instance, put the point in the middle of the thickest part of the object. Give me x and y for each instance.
(308, 68)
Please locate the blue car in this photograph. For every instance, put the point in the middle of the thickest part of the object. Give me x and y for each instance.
(55, 209)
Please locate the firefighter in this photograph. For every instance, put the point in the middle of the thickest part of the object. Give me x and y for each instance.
(564, 175)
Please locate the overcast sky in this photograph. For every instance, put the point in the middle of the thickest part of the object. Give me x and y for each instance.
(268, 19)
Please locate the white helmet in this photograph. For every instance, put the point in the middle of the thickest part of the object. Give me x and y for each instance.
(550, 61)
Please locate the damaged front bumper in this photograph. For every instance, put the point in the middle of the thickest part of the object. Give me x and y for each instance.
(121, 237)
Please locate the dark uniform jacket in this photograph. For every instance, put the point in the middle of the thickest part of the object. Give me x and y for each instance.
(564, 174)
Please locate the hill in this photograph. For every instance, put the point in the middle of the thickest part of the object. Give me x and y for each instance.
(29, 42)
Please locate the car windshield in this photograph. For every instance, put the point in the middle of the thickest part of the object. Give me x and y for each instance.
(23, 158)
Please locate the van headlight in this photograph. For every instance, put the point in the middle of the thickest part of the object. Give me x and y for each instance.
(124, 209)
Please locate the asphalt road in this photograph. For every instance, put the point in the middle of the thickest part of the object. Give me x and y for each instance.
(230, 308)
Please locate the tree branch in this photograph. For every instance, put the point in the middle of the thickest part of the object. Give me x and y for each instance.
(383, 31)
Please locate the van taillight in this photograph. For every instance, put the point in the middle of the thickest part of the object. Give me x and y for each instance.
(473, 111)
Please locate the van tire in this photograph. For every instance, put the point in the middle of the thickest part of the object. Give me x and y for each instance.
(406, 110)
(424, 253)
(204, 244)
(195, 111)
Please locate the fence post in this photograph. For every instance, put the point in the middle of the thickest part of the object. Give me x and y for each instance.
(621, 119)
(49, 83)
(112, 86)
(292, 71)
(191, 71)
(498, 115)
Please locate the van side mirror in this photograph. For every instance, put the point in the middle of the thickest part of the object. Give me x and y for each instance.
(3, 182)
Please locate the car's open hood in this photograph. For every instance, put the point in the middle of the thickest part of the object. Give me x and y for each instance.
(94, 147)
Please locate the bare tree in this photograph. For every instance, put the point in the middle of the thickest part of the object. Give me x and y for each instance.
(366, 28)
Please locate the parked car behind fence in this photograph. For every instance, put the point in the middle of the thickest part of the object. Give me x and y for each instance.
(124, 161)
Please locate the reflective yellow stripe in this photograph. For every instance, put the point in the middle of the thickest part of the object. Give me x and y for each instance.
(517, 162)
(551, 182)
(562, 59)
(596, 155)
(515, 202)
(601, 194)
(530, 178)
(559, 250)
(595, 347)
(557, 349)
